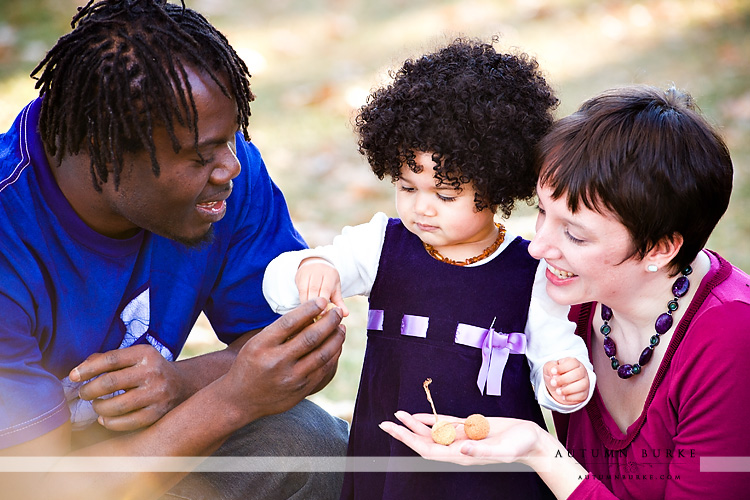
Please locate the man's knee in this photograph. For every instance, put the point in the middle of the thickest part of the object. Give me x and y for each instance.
(305, 430)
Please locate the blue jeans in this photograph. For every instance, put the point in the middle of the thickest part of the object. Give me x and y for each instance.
(304, 431)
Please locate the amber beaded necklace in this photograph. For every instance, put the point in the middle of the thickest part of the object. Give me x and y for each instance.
(487, 251)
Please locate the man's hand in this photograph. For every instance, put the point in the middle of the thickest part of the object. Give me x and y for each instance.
(317, 277)
(152, 386)
(567, 381)
(286, 361)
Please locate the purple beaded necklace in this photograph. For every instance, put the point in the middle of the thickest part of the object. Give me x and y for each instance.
(662, 326)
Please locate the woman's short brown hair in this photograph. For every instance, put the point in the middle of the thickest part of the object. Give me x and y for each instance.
(647, 156)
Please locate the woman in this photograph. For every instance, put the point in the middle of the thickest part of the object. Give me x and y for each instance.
(630, 188)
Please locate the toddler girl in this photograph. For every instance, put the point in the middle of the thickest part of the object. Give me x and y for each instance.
(453, 296)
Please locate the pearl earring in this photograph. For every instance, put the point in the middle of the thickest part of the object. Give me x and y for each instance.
(652, 268)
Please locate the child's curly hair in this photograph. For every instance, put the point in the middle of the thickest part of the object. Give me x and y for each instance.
(479, 112)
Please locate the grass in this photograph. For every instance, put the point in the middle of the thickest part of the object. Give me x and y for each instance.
(314, 60)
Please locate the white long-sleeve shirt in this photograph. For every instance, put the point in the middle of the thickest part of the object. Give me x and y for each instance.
(355, 254)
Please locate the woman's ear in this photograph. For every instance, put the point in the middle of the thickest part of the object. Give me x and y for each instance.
(663, 252)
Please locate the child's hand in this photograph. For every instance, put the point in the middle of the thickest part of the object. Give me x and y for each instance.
(567, 380)
(317, 277)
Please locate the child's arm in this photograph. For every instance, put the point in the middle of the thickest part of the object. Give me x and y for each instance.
(551, 338)
(354, 257)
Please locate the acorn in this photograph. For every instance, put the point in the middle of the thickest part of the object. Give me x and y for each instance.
(476, 427)
(330, 306)
(443, 432)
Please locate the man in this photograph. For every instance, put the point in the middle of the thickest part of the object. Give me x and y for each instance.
(131, 200)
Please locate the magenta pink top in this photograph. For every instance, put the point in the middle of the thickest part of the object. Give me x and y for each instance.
(694, 431)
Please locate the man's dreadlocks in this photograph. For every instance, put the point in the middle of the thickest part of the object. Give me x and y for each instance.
(122, 71)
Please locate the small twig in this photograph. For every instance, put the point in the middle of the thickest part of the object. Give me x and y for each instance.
(429, 396)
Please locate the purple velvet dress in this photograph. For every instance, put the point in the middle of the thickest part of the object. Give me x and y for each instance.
(417, 304)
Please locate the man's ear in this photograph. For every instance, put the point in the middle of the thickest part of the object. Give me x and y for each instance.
(664, 251)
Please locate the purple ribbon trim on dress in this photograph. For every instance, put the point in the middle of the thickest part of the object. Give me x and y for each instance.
(375, 319)
(496, 348)
(414, 326)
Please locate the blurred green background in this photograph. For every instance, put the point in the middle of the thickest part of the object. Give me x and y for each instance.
(314, 61)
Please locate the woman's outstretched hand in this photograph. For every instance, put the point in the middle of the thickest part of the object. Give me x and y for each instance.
(509, 440)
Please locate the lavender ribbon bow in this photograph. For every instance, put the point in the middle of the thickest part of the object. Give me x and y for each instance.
(496, 348)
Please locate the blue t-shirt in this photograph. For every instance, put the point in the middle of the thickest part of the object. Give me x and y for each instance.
(67, 291)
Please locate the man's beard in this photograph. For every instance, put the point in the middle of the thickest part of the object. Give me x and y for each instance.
(205, 239)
